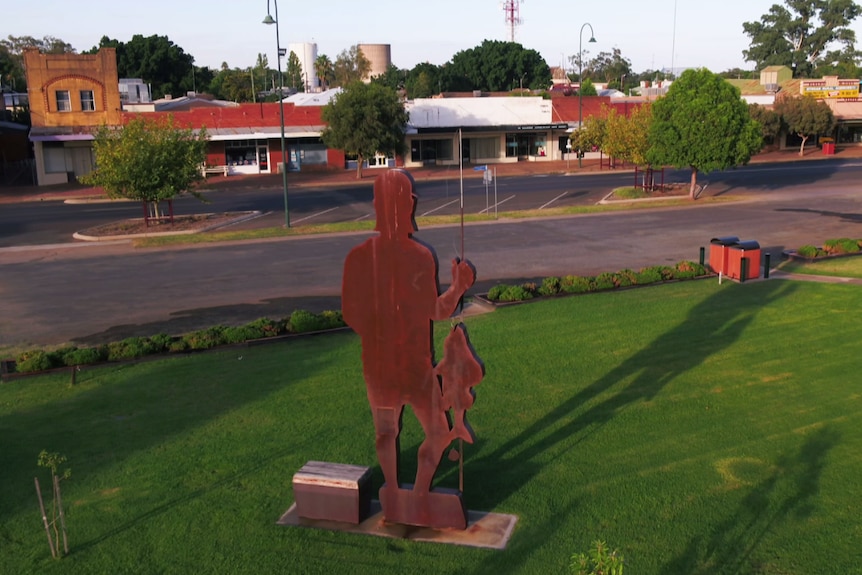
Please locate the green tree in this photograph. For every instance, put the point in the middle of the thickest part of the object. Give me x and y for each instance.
(798, 36)
(234, 85)
(151, 160)
(423, 81)
(769, 120)
(156, 60)
(350, 66)
(611, 67)
(363, 120)
(393, 77)
(260, 75)
(591, 135)
(293, 74)
(587, 88)
(806, 117)
(703, 123)
(325, 71)
(627, 138)
(12, 57)
(496, 66)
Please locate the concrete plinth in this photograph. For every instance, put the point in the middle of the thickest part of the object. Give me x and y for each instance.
(486, 530)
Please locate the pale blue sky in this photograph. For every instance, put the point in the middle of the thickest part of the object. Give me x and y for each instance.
(707, 33)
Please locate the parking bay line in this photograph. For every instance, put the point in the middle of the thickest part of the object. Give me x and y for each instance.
(314, 215)
(439, 208)
(546, 204)
(497, 204)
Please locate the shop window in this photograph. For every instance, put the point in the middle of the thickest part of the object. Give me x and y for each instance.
(241, 153)
(88, 102)
(484, 148)
(431, 150)
(64, 101)
(54, 154)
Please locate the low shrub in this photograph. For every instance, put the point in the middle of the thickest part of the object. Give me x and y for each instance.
(303, 321)
(332, 319)
(266, 327)
(34, 360)
(599, 560)
(85, 355)
(240, 334)
(603, 281)
(626, 278)
(159, 343)
(205, 338)
(550, 286)
(136, 347)
(515, 293)
(575, 284)
(648, 276)
(696, 269)
(841, 246)
(178, 345)
(129, 348)
(495, 292)
(809, 251)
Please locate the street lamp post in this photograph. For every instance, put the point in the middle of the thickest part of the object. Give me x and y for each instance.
(581, 79)
(270, 20)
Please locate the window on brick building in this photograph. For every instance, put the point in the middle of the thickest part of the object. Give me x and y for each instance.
(88, 102)
(64, 102)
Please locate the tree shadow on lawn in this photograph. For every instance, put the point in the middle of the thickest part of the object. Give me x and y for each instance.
(121, 416)
(710, 327)
(788, 490)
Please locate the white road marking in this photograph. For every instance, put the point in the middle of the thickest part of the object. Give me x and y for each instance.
(366, 216)
(545, 205)
(497, 204)
(314, 215)
(439, 207)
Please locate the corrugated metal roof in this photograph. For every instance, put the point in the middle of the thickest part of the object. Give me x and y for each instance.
(313, 98)
(464, 112)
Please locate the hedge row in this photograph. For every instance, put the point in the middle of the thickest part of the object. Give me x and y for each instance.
(572, 284)
(300, 321)
(834, 247)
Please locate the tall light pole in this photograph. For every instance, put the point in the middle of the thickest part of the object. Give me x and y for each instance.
(269, 20)
(581, 80)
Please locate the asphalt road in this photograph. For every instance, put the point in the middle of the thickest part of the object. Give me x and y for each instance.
(88, 294)
(55, 222)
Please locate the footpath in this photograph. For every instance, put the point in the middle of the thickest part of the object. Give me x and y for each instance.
(331, 178)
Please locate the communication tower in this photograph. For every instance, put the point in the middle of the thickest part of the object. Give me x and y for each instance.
(513, 16)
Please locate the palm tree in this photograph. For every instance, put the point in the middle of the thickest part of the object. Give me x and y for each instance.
(324, 70)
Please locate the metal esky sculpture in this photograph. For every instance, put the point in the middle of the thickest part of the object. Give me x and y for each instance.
(391, 297)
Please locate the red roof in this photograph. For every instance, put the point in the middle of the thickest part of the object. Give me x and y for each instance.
(263, 115)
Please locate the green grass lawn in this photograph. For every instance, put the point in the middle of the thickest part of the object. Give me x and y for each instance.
(698, 428)
(846, 267)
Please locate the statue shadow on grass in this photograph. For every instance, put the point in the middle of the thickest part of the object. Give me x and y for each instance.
(710, 327)
(786, 492)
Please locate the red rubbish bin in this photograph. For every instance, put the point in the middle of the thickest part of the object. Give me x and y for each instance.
(749, 250)
(718, 253)
(828, 148)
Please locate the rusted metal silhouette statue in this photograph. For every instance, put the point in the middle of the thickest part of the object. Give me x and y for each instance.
(390, 297)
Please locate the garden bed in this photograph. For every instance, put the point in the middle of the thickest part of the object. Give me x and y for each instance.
(556, 286)
(133, 349)
(840, 247)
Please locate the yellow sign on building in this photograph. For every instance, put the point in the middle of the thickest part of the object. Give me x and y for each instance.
(830, 88)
